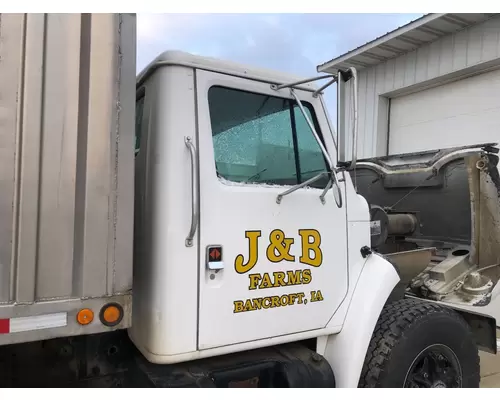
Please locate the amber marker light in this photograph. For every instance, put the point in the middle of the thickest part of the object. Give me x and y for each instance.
(85, 316)
(111, 314)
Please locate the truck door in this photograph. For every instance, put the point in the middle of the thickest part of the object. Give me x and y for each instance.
(266, 269)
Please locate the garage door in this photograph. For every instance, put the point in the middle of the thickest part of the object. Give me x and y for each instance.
(455, 114)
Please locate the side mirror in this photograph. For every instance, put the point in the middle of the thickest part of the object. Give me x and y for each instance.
(347, 160)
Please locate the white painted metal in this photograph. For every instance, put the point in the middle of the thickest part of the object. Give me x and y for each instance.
(23, 324)
(181, 58)
(455, 114)
(360, 310)
(227, 211)
(467, 52)
(165, 331)
(165, 307)
(346, 351)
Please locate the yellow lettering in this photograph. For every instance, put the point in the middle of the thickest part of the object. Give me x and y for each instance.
(253, 253)
(257, 303)
(279, 279)
(260, 303)
(238, 306)
(281, 245)
(266, 303)
(292, 298)
(254, 281)
(249, 306)
(306, 276)
(293, 277)
(275, 301)
(316, 296)
(308, 246)
(266, 281)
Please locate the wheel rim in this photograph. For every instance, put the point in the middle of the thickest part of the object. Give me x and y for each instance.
(436, 366)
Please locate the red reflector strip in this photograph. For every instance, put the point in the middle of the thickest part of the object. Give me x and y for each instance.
(33, 323)
(4, 326)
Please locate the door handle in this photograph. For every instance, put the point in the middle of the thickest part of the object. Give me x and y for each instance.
(194, 198)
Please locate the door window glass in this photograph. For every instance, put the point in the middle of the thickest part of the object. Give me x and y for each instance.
(263, 139)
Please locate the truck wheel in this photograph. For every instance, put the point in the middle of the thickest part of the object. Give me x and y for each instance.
(417, 344)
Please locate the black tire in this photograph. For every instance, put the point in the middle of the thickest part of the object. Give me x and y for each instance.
(408, 329)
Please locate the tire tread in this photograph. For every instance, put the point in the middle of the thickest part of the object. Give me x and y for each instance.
(395, 318)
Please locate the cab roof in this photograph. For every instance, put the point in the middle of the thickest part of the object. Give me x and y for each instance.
(181, 58)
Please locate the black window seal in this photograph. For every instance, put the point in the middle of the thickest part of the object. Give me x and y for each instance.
(140, 94)
(291, 107)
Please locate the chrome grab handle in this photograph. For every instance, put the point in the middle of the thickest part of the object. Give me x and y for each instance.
(194, 199)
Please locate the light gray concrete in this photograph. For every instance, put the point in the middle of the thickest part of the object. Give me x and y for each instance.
(490, 370)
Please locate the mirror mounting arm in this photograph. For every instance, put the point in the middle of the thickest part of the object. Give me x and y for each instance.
(299, 186)
(332, 173)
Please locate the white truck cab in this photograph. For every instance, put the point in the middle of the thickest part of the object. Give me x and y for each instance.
(229, 260)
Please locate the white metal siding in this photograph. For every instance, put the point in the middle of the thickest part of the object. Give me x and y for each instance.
(468, 51)
(456, 114)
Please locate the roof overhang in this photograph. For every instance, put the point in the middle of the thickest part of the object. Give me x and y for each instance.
(405, 39)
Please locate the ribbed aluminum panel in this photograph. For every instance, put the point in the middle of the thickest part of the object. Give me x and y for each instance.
(67, 100)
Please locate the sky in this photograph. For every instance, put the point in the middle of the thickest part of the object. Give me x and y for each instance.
(292, 43)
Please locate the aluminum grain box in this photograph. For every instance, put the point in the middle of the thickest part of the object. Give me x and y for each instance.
(67, 104)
